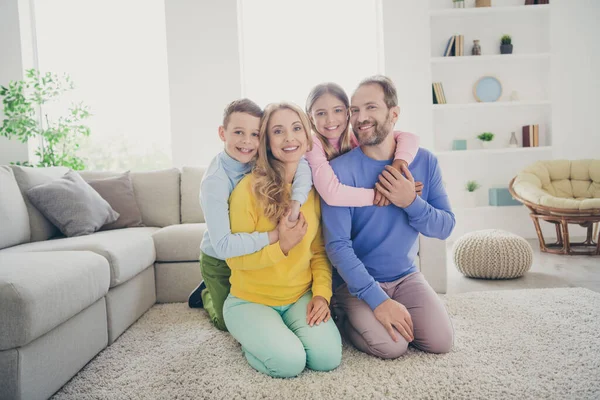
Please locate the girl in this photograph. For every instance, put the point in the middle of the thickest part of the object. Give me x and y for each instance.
(278, 307)
(327, 106)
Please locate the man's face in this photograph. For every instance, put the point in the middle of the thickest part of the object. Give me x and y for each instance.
(371, 120)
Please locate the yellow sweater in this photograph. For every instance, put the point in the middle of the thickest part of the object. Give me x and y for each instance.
(268, 276)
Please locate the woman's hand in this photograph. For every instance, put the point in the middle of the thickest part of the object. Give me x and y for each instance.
(317, 311)
(291, 233)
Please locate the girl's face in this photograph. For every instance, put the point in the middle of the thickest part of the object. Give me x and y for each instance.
(288, 140)
(330, 116)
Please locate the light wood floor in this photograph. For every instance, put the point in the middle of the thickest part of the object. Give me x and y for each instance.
(547, 271)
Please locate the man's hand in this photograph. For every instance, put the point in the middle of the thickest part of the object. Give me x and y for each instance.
(396, 188)
(317, 311)
(294, 211)
(392, 315)
(291, 233)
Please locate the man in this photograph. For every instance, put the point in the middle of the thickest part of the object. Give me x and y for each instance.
(385, 302)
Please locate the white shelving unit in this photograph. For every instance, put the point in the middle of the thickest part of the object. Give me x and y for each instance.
(524, 74)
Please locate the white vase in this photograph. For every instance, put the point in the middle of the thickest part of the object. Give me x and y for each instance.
(470, 200)
(485, 145)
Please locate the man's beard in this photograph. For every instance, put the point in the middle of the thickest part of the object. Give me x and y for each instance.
(380, 132)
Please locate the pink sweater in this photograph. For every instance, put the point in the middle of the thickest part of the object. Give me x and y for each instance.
(327, 183)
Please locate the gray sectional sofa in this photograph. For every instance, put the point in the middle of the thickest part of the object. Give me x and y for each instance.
(63, 300)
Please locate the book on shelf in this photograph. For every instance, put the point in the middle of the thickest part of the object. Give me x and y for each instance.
(461, 45)
(531, 136)
(438, 93)
(532, 2)
(450, 47)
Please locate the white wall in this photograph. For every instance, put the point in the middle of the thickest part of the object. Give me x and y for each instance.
(11, 68)
(204, 74)
(575, 81)
(406, 35)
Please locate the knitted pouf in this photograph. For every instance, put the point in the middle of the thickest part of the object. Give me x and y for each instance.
(492, 254)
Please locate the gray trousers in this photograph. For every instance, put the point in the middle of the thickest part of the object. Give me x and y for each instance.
(433, 331)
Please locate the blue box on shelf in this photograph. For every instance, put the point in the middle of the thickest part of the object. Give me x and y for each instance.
(459, 144)
(500, 196)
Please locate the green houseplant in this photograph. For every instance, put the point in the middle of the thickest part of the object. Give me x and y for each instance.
(23, 119)
(485, 139)
(506, 46)
(470, 200)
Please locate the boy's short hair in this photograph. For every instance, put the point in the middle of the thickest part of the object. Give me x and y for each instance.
(244, 106)
(390, 96)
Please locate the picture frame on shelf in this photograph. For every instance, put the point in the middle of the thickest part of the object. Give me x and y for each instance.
(487, 89)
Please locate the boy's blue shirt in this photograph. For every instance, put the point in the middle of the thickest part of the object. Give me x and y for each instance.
(374, 244)
(221, 177)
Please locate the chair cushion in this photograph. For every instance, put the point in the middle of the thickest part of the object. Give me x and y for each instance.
(13, 211)
(191, 178)
(179, 242)
(573, 185)
(27, 177)
(157, 194)
(128, 251)
(39, 291)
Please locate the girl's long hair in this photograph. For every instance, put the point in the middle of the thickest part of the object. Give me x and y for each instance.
(270, 187)
(335, 90)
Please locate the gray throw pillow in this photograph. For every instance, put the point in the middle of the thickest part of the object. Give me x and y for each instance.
(72, 205)
(118, 192)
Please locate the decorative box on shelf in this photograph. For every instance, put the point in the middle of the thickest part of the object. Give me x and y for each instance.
(500, 196)
(459, 144)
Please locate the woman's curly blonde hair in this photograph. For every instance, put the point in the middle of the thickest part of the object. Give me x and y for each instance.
(270, 187)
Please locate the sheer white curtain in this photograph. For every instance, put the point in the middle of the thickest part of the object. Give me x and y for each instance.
(115, 52)
(287, 47)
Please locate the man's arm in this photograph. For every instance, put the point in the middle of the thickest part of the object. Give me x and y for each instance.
(337, 223)
(432, 217)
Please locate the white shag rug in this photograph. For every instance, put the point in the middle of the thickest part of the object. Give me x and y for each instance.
(534, 343)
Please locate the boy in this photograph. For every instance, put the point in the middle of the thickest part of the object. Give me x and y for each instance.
(240, 133)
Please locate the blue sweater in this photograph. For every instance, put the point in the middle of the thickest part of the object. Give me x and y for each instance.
(379, 244)
(221, 177)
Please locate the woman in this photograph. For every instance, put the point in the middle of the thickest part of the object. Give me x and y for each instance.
(278, 308)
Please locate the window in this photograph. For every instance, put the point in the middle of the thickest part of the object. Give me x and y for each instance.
(115, 52)
(289, 47)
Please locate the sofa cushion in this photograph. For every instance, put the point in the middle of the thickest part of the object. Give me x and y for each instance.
(118, 192)
(179, 242)
(157, 194)
(27, 177)
(13, 211)
(128, 251)
(72, 205)
(39, 291)
(191, 178)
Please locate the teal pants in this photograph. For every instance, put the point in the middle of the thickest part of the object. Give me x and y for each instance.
(278, 342)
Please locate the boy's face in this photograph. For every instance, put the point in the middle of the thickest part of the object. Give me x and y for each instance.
(241, 136)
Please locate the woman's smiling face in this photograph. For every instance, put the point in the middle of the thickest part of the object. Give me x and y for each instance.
(288, 138)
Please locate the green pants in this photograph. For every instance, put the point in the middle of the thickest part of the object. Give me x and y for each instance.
(278, 342)
(216, 275)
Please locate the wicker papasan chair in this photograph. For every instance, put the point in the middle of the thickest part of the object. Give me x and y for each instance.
(562, 192)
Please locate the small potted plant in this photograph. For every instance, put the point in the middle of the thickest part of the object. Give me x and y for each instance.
(470, 198)
(506, 46)
(485, 139)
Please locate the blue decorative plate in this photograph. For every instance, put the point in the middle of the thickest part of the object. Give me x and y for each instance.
(487, 89)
